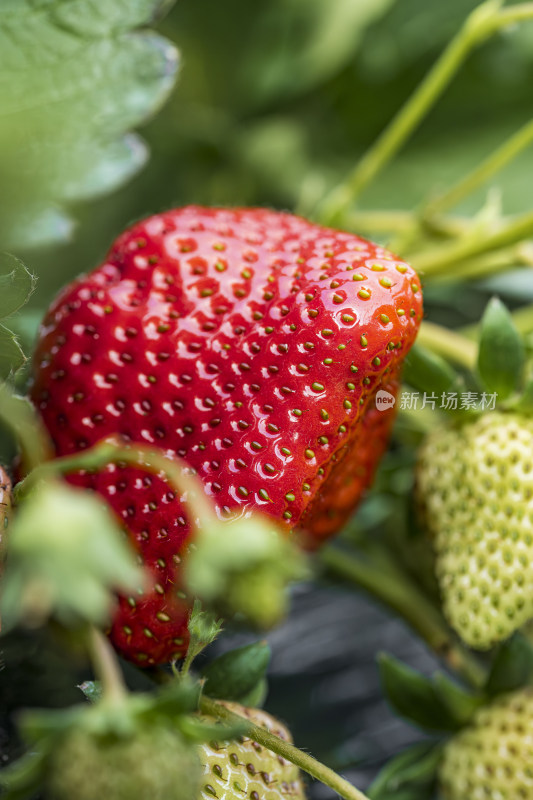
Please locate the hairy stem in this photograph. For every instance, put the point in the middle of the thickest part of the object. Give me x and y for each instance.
(284, 749)
(483, 22)
(395, 590)
(452, 346)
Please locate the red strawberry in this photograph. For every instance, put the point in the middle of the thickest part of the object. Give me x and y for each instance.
(249, 342)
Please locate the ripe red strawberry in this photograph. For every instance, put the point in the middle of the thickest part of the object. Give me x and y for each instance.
(249, 342)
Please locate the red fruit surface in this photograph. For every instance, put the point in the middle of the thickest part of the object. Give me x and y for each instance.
(250, 343)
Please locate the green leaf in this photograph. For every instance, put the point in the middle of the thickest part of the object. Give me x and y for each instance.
(415, 697)
(92, 690)
(411, 774)
(428, 372)
(67, 557)
(461, 704)
(16, 284)
(501, 357)
(24, 778)
(75, 77)
(234, 675)
(12, 357)
(244, 566)
(512, 667)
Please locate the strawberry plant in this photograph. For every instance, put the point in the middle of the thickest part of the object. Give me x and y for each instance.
(292, 385)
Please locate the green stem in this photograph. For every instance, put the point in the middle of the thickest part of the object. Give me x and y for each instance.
(487, 264)
(18, 414)
(176, 472)
(485, 20)
(440, 260)
(452, 346)
(284, 749)
(395, 590)
(106, 667)
(502, 156)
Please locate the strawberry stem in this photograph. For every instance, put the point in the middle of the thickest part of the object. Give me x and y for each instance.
(394, 589)
(106, 668)
(440, 260)
(486, 20)
(18, 415)
(450, 345)
(284, 749)
(176, 472)
(495, 162)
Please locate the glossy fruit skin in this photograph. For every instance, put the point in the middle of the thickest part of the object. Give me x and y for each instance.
(492, 758)
(251, 344)
(475, 491)
(244, 768)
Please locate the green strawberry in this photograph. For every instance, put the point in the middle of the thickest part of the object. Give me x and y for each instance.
(492, 759)
(245, 769)
(155, 763)
(475, 488)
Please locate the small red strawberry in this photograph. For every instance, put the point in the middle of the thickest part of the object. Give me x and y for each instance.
(249, 342)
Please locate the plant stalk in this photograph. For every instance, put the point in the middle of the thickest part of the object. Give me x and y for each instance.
(284, 749)
(19, 416)
(452, 346)
(442, 260)
(176, 472)
(395, 590)
(106, 667)
(482, 23)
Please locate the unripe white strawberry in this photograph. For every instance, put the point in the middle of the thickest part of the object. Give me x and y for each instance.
(492, 759)
(475, 488)
(243, 768)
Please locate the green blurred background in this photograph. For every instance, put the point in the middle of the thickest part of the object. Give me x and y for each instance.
(276, 99)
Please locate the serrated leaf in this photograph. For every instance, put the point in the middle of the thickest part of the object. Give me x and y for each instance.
(16, 284)
(512, 667)
(410, 774)
(414, 696)
(12, 356)
(234, 675)
(501, 357)
(74, 78)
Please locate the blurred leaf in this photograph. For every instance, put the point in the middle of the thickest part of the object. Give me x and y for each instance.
(234, 675)
(244, 566)
(11, 354)
(512, 667)
(418, 699)
(411, 774)
(73, 79)
(67, 556)
(501, 356)
(303, 42)
(25, 777)
(16, 284)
